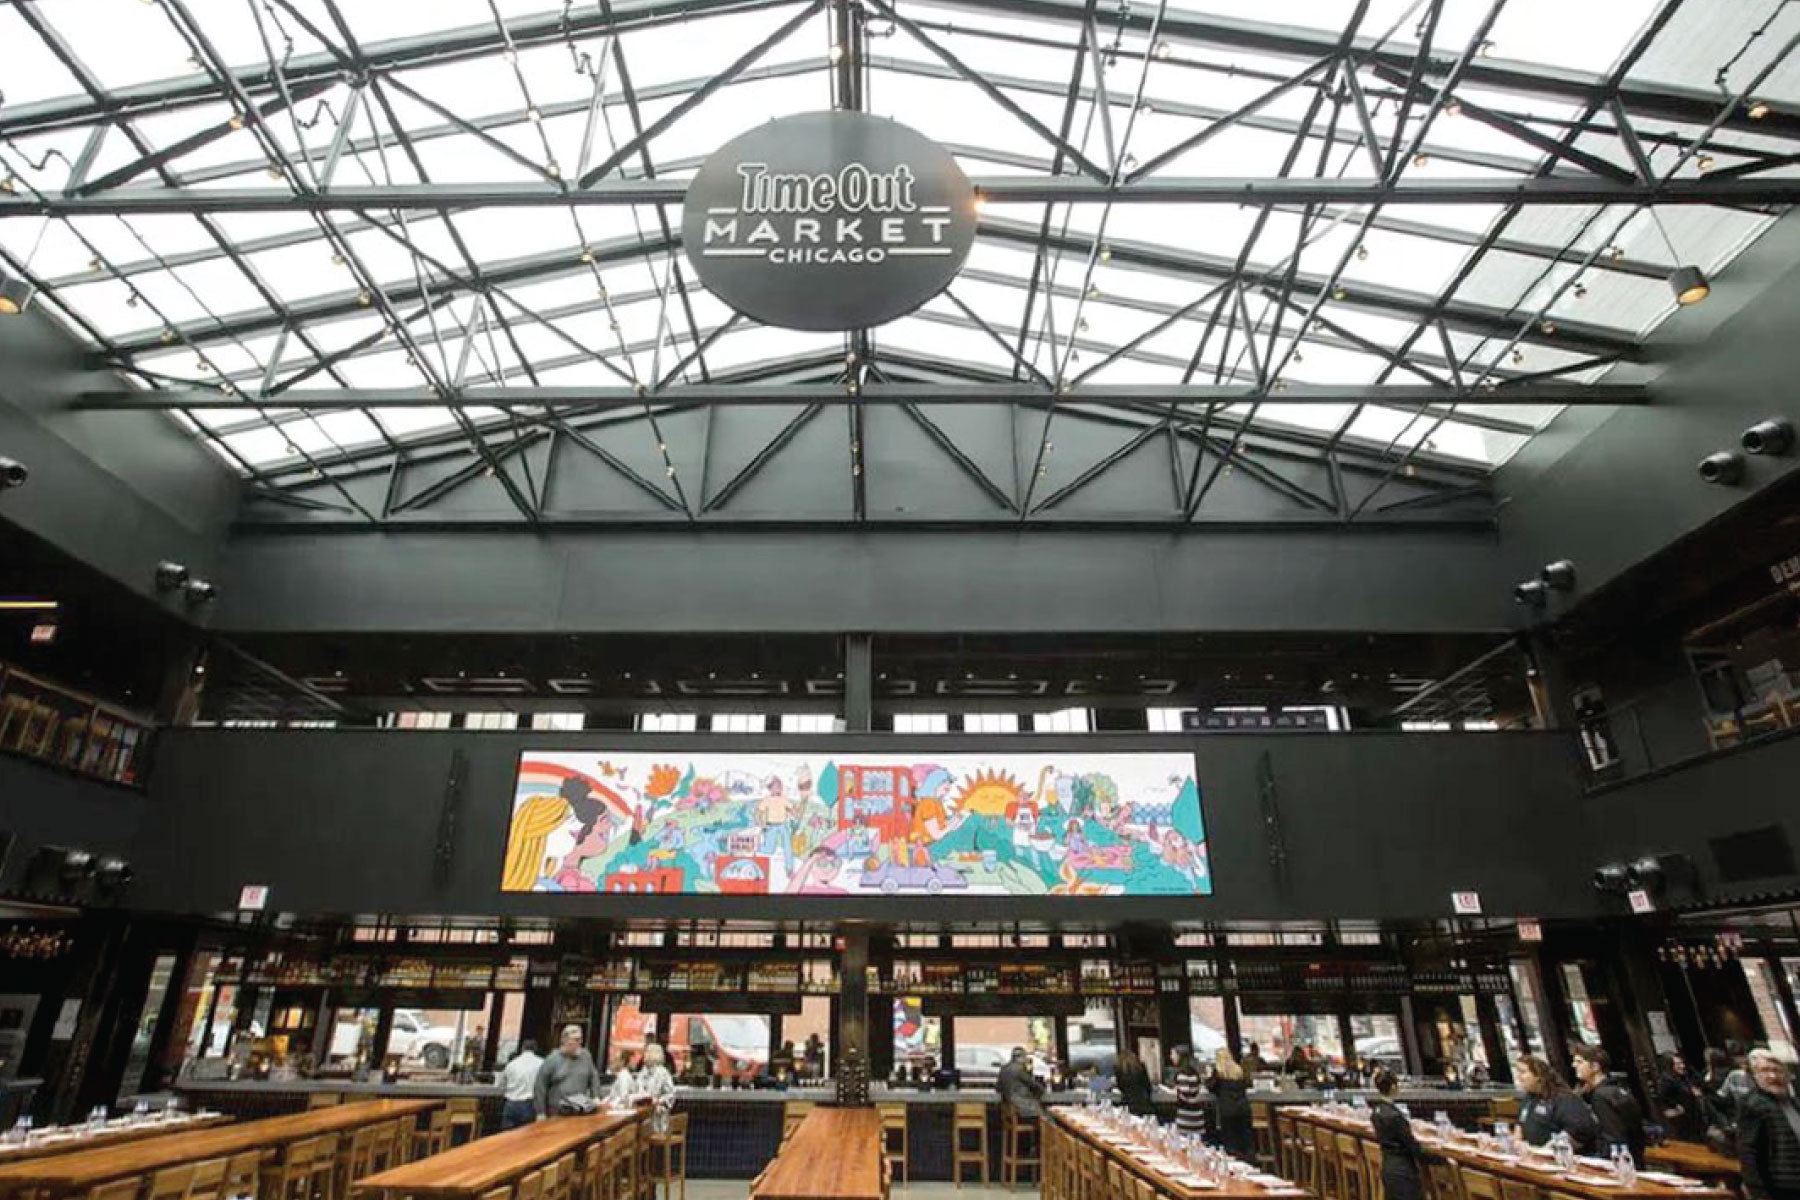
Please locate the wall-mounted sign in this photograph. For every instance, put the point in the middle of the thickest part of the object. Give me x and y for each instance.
(253, 897)
(1640, 901)
(1466, 904)
(828, 220)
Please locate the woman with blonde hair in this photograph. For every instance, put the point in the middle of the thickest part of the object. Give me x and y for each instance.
(1231, 1105)
(655, 1084)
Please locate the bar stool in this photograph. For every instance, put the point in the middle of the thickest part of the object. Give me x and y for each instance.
(1302, 1154)
(434, 1138)
(893, 1121)
(1518, 1189)
(171, 1183)
(1019, 1147)
(465, 1114)
(1477, 1185)
(1327, 1180)
(323, 1100)
(968, 1119)
(622, 1163)
(1351, 1184)
(665, 1148)
(644, 1170)
(290, 1176)
(1441, 1181)
(1262, 1129)
(792, 1113)
(559, 1178)
(1373, 1188)
(118, 1189)
(503, 1192)
(208, 1181)
(530, 1187)
(322, 1177)
(242, 1174)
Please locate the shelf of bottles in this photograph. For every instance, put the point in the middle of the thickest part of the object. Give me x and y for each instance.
(809, 976)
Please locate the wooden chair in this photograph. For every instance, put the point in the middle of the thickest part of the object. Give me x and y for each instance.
(621, 1160)
(1441, 1181)
(1262, 1129)
(1019, 1147)
(792, 1113)
(243, 1175)
(465, 1115)
(323, 1100)
(503, 1192)
(965, 1120)
(289, 1177)
(118, 1189)
(1373, 1189)
(1119, 1182)
(530, 1187)
(1518, 1189)
(1143, 1189)
(559, 1178)
(1351, 1184)
(1477, 1185)
(208, 1182)
(893, 1122)
(322, 1177)
(433, 1137)
(1327, 1179)
(665, 1148)
(171, 1183)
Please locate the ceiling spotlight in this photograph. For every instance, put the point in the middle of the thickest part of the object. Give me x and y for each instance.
(170, 575)
(1453, 107)
(15, 295)
(1518, 357)
(510, 55)
(1421, 159)
(1774, 436)
(1704, 163)
(364, 298)
(167, 337)
(1532, 593)
(1724, 468)
(836, 53)
(1689, 285)
(1559, 576)
(197, 592)
(236, 122)
(1581, 291)
(1362, 253)
(1547, 325)
(1163, 50)
(112, 873)
(1340, 293)
(1757, 110)
(76, 865)
(1613, 877)
(534, 116)
(13, 473)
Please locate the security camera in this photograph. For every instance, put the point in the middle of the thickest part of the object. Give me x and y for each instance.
(1559, 576)
(170, 575)
(1724, 468)
(1768, 437)
(13, 473)
(1532, 593)
(198, 591)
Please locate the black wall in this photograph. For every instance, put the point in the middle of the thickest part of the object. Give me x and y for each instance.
(43, 807)
(1374, 825)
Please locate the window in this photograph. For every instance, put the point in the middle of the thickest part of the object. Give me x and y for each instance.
(1165, 720)
(1760, 975)
(1525, 987)
(352, 1041)
(740, 723)
(1206, 1027)
(558, 720)
(667, 722)
(918, 1039)
(735, 1044)
(490, 720)
(1063, 720)
(419, 720)
(983, 1044)
(1093, 1037)
(808, 723)
(1425, 726)
(1277, 1035)
(813, 1020)
(921, 723)
(990, 722)
(1375, 1037)
(438, 1040)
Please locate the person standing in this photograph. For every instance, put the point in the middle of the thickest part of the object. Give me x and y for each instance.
(568, 1073)
(1019, 1089)
(1550, 1108)
(1133, 1081)
(1769, 1132)
(815, 1056)
(1190, 1114)
(1230, 1086)
(1616, 1110)
(1680, 1100)
(518, 1083)
(655, 1084)
(624, 1083)
(1400, 1153)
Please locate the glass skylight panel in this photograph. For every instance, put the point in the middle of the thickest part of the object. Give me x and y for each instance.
(380, 21)
(1701, 37)
(33, 73)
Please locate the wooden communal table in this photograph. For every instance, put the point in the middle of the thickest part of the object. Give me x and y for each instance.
(64, 1174)
(1592, 1179)
(1695, 1159)
(477, 1167)
(80, 1139)
(1167, 1177)
(835, 1154)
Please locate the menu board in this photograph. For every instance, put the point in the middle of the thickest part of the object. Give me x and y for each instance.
(923, 824)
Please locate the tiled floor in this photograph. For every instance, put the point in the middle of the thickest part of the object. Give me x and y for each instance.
(739, 1189)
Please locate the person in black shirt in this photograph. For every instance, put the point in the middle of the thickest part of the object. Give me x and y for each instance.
(1679, 1097)
(1616, 1110)
(1230, 1087)
(1769, 1132)
(1548, 1107)
(1133, 1082)
(1401, 1158)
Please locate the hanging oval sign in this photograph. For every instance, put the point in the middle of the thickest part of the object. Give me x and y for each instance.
(828, 220)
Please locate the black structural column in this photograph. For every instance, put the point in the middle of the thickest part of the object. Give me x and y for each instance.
(859, 683)
(853, 1018)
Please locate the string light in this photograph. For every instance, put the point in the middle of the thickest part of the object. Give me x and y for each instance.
(1757, 110)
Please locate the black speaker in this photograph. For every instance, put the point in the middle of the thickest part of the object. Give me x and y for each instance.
(1753, 854)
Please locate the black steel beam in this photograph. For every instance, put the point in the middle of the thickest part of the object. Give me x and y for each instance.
(873, 393)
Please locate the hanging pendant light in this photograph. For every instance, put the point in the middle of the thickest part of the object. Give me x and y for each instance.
(15, 295)
(1690, 285)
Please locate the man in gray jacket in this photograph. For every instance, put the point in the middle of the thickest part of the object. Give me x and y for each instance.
(1019, 1088)
(568, 1072)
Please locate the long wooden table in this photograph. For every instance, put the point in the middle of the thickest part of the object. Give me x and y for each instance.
(1170, 1178)
(1693, 1158)
(835, 1154)
(77, 1139)
(1588, 1182)
(474, 1168)
(64, 1174)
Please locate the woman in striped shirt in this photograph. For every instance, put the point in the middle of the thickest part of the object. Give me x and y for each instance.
(1190, 1114)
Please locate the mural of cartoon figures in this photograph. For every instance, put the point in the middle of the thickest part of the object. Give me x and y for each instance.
(770, 823)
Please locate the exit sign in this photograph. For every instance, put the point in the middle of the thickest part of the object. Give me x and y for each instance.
(1466, 904)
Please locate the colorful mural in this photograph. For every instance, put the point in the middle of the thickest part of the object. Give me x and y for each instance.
(803, 824)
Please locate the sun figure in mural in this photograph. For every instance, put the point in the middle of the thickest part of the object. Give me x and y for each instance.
(991, 794)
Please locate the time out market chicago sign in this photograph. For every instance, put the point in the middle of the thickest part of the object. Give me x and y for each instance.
(828, 220)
